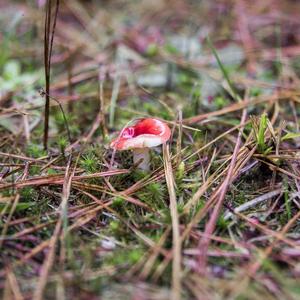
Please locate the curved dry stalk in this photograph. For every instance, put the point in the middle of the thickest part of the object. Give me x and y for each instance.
(176, 263)
(48, 44)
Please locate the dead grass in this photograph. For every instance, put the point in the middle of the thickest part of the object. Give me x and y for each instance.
(218, 215)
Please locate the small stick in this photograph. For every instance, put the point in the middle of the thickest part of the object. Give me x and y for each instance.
(253, 202)
(48, 41)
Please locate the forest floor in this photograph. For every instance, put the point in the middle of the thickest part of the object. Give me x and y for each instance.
(217, 217)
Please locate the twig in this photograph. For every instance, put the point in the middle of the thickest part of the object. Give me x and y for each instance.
(58, 179)
(47, 265)
(48, 41)
(15, 288)
(43, 93)
(5, 227)
(253, 202)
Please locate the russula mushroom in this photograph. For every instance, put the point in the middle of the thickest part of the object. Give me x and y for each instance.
(144, 134)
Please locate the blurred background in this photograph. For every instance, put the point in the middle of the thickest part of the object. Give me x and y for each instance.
(153, 55)
(189, 62)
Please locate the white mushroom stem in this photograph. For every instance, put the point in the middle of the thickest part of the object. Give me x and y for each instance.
(142, 155)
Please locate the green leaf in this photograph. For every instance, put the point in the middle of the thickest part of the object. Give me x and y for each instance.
(290, 136)
(261, 132)
(20, 206)
(224, 71)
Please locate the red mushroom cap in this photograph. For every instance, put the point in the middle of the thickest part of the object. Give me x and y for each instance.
(145, 133)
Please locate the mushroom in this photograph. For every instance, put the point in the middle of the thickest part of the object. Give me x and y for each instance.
(144, 134)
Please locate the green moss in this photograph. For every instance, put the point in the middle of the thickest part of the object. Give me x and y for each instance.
(35, 150)
(62, 144)
(89, 162)
(117, 202)
(135, 255)
(125, 256)
(222, 223)
(114, 225)
(221, 102)
(180, 172)
(153, 194)
(34, 170)
(28, 194)
(51, 171)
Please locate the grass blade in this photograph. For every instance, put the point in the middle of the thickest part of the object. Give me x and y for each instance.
(176, 265)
